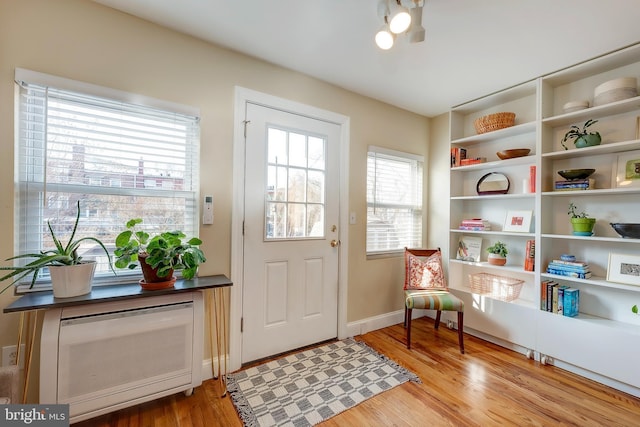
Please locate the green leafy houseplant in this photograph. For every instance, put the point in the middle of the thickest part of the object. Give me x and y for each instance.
(499, 249)
(61, 255)
(164, 252)
(582, 137)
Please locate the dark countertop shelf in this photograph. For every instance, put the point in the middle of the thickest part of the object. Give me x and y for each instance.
(44, 300)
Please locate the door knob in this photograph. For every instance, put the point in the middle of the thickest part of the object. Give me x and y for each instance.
(335, 243)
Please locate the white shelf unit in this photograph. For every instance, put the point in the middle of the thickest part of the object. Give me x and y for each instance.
(605, 307)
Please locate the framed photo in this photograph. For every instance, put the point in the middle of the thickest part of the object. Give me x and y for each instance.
(624, 269)
(628, 169)
(518, 221)
(638, 127)
(469, 248)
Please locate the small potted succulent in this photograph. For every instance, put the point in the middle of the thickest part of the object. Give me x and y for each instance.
(159, 255)
(497, 254)
(581, 223)
(582, 137)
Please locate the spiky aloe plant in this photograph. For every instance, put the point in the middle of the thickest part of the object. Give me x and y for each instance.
(61, 255)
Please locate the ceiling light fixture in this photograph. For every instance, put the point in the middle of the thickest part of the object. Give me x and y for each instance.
(399, 16)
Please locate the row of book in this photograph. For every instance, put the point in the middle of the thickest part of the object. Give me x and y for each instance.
(559, 299)
(472, 161)
(575, 184)
(475, 224)
(577, 269)
(457, 155)
(530, 255)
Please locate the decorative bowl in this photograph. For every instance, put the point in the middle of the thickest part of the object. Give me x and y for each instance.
(627, 230)
(512, 154)
(571, 174)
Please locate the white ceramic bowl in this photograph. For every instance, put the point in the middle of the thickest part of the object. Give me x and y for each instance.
(615, 90)
(575, 106)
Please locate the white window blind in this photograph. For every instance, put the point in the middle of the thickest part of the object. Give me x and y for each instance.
(119, 160)
(394, 200)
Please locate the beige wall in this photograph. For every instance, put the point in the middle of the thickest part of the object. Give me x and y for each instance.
(82, 40)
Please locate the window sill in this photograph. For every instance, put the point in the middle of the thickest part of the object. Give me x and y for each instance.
(45, 300)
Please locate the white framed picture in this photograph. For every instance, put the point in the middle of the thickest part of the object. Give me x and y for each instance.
(624, 269)
(518, 221)
(628, 169)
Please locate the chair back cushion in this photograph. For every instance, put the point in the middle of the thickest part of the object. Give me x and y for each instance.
(424, 272)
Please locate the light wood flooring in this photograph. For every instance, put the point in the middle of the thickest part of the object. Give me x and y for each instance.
(487, 386)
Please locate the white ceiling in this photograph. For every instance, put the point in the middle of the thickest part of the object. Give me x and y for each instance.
(472, 47)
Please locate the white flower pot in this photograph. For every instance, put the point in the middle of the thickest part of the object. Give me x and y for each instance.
(72, 280)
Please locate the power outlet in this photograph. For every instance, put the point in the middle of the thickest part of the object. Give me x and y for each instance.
(9, 355)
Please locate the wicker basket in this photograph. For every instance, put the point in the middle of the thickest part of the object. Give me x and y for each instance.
(495, 121)
(497, 287)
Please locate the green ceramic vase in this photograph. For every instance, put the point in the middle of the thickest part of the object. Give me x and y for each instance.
(588, 140)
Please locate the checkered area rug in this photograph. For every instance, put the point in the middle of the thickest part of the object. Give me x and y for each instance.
(311, 386)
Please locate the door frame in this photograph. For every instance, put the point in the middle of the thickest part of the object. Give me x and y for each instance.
(242, 97)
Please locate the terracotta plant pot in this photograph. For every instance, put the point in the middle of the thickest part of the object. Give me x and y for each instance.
(495, 259)
(151, 279)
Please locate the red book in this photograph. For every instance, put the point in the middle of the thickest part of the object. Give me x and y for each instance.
(532, 179)
(529, 255)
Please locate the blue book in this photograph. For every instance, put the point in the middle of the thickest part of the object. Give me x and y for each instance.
(580, 269)
(571, 302)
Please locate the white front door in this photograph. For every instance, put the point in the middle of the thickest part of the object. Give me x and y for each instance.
(291, 236)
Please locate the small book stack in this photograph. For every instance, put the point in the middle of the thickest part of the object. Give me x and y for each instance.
(575, 184)
(577, 269)
(559, 299)
(475, 224)
(457, 155)
(473, 161)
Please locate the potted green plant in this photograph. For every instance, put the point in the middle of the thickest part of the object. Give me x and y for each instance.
(70, 274)
(497, 253)
(581, 223)
(582, 137)
(159, 256)
(634, 309)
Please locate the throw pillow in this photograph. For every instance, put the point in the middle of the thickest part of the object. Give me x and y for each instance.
(424, 272)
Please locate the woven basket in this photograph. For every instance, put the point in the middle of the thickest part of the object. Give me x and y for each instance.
(498, 287)
(495, 121)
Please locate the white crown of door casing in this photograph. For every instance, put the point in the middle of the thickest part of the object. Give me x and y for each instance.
(242, 97)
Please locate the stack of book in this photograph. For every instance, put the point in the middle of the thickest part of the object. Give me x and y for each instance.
(559, 299)
(475, 224)
(575, 184)
(578, 269)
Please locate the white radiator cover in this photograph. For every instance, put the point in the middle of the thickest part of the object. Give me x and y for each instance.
(102, 357)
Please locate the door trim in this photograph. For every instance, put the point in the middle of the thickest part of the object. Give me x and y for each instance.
(242, 97)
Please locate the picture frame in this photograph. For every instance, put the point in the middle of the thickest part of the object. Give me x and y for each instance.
(638, 127)
(624, 268)
(628, 169)
(469, 248)
(518, 221)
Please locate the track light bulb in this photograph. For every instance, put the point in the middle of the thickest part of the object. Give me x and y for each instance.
(400, 19)
(384, 38)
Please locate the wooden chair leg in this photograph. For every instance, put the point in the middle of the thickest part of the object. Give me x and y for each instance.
(405, 316)
(460, 330)
(408, 321)
(438, 314)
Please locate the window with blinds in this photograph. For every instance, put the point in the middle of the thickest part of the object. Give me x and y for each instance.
(119, 160)
(394, 201)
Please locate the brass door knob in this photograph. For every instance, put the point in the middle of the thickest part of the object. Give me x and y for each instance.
(335, 243)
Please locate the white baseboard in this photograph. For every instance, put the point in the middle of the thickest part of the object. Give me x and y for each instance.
(382, 321)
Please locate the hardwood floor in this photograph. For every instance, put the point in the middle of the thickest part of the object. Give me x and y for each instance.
(487, 386)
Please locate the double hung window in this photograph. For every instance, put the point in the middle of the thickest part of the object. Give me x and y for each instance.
(394, 201)
(120, 159)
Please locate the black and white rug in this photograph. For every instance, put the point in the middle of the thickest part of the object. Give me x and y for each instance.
(308, 387)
